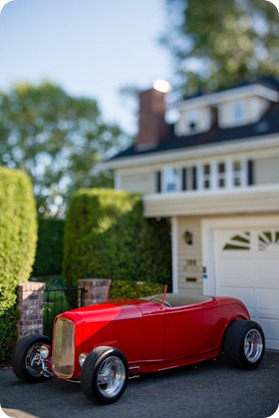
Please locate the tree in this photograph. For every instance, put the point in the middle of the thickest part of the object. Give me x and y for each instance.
(218, 43)
(58, 139)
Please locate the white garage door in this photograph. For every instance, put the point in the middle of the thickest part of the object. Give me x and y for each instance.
(246, 265)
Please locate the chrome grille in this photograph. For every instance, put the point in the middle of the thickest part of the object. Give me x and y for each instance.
(63, 349)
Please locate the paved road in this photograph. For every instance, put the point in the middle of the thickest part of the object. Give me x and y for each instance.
(208, 390)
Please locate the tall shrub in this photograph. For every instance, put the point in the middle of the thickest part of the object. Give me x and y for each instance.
(107, 236)
(18, 236)
(49, 254)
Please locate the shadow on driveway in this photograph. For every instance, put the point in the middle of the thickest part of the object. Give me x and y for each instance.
(210, 389)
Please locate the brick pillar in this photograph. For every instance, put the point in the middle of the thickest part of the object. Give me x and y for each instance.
(30, 300)
(96, 290)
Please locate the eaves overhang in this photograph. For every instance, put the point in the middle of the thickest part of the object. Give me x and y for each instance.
(215, 99)
(212, 149)
(245, 201)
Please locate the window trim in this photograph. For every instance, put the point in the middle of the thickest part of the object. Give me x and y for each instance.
(194, 177)
(230, 176)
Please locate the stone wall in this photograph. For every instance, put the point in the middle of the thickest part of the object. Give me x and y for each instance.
(30, 297)
(30, 302)
(96, 290)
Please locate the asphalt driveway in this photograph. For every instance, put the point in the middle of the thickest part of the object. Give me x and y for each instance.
(210, 389)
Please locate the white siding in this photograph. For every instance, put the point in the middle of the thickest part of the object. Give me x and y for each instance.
(189, 258)
(138, 182)
(267, 171)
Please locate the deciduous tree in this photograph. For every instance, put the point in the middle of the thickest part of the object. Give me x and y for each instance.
(58, 139)
(218, 43)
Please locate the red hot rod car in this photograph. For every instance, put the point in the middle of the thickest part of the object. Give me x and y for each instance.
(103, 345)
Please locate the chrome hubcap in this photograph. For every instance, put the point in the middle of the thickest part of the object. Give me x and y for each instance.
(111, 376)
(253, 345)
(33, 360)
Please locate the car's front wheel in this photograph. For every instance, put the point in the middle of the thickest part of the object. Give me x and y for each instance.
(244, 344)
(104, 375)
(27, 361)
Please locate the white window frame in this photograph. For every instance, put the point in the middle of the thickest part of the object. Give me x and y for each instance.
(241, 174)
(207, 177)
(222, 175)
(230, 175)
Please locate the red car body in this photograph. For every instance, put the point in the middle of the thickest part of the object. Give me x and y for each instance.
(103, 345)
(151, 335)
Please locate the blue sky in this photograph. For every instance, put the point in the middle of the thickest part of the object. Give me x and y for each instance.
(89, 47)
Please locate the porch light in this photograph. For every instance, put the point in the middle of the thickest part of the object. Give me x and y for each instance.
(188, 237)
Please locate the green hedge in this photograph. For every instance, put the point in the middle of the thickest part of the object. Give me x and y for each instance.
(124, 289)
(107, 236)
(18, 237)
(49, 254)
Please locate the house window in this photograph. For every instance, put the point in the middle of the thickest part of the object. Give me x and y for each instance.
(237, 173)
(239, 242)
(238, 111)
(207, 176)
(171, 180)
(221, 175)
(191, 118)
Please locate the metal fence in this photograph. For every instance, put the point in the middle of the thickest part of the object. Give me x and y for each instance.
(58, 300)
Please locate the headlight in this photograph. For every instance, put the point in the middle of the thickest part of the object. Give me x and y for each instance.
(82, 358)
(44, 351)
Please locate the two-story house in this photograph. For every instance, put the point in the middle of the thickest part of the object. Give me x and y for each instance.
(215, 174)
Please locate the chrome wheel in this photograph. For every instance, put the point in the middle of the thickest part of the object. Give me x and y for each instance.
(244, 344)
(104, 375)
(27, 362)
(111, 376)
(253, 345)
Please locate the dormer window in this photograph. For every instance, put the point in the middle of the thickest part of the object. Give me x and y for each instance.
(239, 111)
(192, 119)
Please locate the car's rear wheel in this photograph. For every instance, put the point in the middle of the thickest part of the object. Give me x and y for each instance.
(104, 375)
(244, 344)
(26, 358)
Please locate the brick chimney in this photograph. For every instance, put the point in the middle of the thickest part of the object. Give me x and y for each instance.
(152, 125)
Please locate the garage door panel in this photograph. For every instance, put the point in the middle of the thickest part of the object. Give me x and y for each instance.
(246, 266)
(268, 301)
(271, 330)
(240, 271)
(270, 254)
(268, 270)
(240, 255)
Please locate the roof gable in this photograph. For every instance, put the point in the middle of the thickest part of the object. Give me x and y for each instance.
(268, 124)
